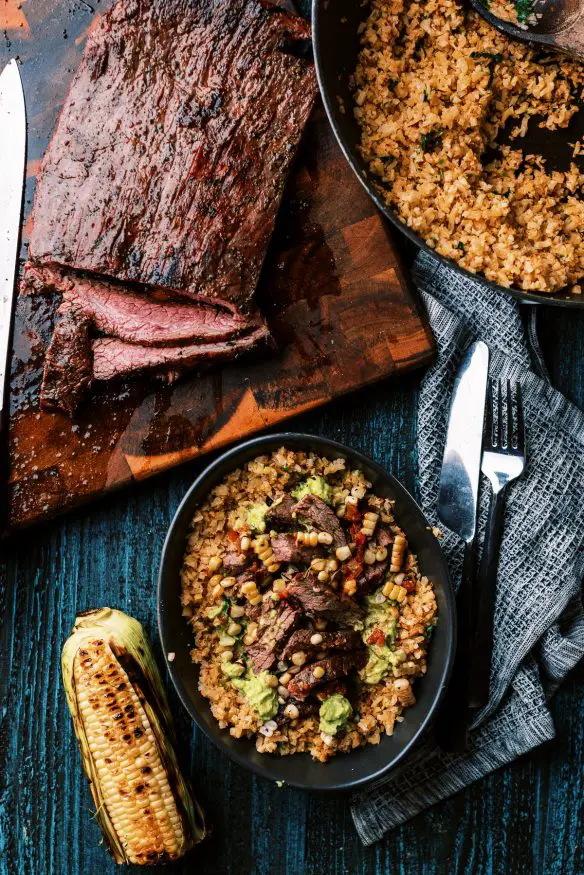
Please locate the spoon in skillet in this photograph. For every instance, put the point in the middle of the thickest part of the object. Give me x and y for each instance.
(556, 24)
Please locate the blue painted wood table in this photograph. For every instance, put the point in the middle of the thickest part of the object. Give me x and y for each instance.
(524, 819)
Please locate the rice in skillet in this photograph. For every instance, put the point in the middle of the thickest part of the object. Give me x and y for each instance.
(434, 86)
(362, 647)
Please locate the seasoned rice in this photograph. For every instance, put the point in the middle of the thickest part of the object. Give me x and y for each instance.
(219, 521)
(434, 87)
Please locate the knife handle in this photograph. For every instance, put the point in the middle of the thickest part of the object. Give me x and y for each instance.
(486, 593)
(454, 715)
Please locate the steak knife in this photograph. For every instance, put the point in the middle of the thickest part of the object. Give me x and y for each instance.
(457, 509)
(12, 164)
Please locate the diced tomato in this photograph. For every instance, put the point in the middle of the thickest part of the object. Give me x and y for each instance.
(376, 637)
(352, 513)
(233, 536)
(284, 594)
(409, 584)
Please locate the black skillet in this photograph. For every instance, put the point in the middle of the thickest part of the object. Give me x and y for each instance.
(336, 44)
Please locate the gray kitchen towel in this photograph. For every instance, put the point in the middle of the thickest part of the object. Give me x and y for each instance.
(539, 618)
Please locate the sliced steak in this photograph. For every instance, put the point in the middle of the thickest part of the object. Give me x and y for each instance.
(338, 687)
(280, 513)
(384, 536)
(264, 653)
(305, 709)
(372, 577)
(313, 508)
(139, 318)
(300, 640)
(337, 666)
(173, 146)
(287, 550)
(113, 358)
(68, 366)
(319, 600)
(234, 561)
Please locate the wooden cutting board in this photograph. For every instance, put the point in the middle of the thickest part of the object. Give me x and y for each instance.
(340, 306)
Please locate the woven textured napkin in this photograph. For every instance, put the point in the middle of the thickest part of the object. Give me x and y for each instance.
(539, 619)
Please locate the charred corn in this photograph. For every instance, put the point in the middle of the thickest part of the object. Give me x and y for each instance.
(123, 725)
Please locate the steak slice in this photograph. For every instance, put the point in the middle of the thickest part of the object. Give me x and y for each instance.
(319, 600)
(139, 318)
(287, 550)
(334, 667)
(322, 517)
(234, 561)
(170, 156)
(67, 368)
(305, 709)
(300, 640)
(114, 358)
(263, 654)
(280, 513)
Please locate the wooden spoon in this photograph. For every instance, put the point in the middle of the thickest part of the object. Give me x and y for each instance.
(559, 26)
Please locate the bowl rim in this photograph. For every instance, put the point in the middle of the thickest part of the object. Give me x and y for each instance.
(561, 298)
(318, 444)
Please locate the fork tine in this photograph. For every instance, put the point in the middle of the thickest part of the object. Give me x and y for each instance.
(520, 421)
(500, 438)
(488, 426)
(509, 415)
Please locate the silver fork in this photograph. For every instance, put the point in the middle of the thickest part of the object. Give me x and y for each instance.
(503, 461)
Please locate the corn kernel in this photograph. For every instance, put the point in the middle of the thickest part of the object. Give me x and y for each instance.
(279, 585)
(316, 638)
(350, 586)
(299, 658)
(227, 582)
(325, 538)
(343, 553)
(215, 562)
(318, 671)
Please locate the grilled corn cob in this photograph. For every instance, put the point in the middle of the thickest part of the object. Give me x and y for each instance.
(123, 725)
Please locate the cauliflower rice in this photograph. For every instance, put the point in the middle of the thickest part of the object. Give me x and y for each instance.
(434, 86)
(217, 525)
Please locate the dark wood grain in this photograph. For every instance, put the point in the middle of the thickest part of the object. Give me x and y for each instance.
(331, 288)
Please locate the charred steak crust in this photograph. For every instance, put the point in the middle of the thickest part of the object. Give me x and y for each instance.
(263, 654)
(280, 513)
(313, 508)
(167, 166)
(319, 600)
(336, 666)
(68, 366)
(300, 640)
(287, 550)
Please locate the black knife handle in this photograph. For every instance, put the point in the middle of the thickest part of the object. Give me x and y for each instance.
(454, 715)
(486, 596)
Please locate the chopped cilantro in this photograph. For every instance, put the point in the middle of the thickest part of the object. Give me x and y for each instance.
(426, 95)
(524, 10)
(432, 140)
(459, 245)
(429, 630)
(492, 56)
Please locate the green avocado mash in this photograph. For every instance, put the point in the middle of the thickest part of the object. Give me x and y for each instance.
(256, 517)
(232, 669)
(313, 486)
(382, 659)
(379, 616)
(335, 712)
(261, 697)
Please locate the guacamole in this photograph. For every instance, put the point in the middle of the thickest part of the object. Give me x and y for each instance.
(335, 713)
(382, 659)
(262, 698)
(232, 669)
(313, 486)
(256, 517)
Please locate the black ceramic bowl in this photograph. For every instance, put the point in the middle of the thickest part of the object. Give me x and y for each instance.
(335, 38)
(344, 771)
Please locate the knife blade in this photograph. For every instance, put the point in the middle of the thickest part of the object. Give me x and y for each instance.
(12, 164)
(457, 508)
(461, 464)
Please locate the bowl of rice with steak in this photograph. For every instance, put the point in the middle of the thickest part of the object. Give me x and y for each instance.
(312, 619)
